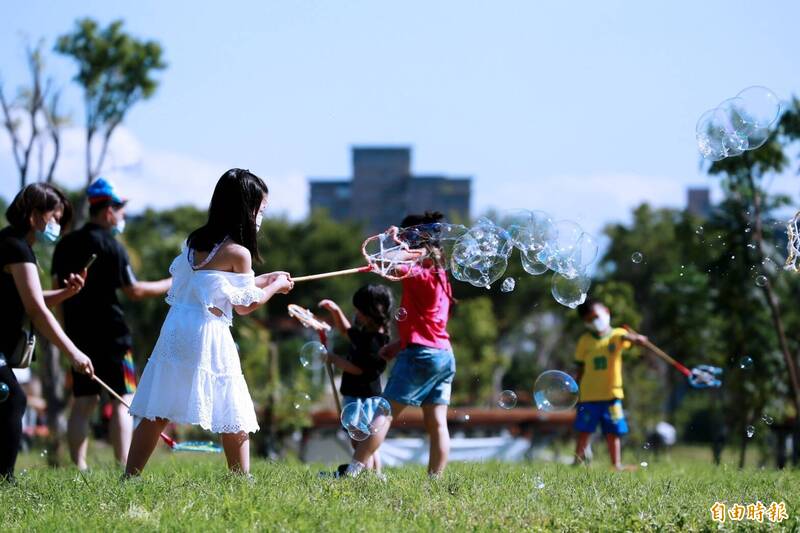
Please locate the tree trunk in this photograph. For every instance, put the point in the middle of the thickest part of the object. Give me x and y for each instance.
(772, 302)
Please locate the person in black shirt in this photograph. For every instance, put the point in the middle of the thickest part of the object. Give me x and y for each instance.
(95, 320)
(37, 212)
(363, 366)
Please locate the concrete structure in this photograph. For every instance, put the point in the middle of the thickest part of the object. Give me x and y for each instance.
(383, 190)
(698, 201)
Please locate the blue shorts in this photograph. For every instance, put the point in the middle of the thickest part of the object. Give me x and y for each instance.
(608, 413)
(422, 375)
(368, 406)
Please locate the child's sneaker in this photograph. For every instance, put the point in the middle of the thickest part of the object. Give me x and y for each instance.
(340, 472)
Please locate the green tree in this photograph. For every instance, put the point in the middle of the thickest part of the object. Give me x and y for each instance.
(748, 204)
(480, 366)
(116, 71)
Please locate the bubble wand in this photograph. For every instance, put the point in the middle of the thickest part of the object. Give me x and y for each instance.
(174, 446)
(308, 320)
(793, 244)
(386, 255)
(699, 377)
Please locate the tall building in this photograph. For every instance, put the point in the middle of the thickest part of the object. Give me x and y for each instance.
(698, 201)
(383, 190)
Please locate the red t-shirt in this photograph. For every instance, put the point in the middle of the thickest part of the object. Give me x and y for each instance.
(426, 299)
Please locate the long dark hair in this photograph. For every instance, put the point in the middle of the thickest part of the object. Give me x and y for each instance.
(232, 212)
(376, 302)
(430, 243)
(433, 246)
(40, 197)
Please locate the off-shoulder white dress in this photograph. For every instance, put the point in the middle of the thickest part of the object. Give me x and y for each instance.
(194, 375)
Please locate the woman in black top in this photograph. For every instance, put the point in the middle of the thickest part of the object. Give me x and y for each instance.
(363, 366)
(37, 213)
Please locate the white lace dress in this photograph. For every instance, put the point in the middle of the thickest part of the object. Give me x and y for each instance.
(194, 375)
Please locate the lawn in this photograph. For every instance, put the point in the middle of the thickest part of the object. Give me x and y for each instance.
(193, 492)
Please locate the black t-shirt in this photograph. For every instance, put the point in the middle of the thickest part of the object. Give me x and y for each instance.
(364, 347)
(93, 318)
(13, 249)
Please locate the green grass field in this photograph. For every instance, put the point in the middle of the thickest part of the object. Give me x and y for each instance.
(193, 492)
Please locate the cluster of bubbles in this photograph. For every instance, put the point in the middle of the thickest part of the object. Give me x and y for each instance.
(553, 391)
(741, 123)
(479, 255)
(365, 417)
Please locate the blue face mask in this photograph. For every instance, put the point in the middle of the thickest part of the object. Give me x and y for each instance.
(50, 233)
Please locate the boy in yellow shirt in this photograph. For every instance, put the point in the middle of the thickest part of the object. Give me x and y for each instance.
(598, 357)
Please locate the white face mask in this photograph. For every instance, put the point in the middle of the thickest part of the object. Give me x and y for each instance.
(602, 323)
(119, 227)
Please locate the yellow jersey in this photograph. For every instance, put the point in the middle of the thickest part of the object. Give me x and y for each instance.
(601, 360)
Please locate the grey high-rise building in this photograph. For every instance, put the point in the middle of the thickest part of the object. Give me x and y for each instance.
(698, 201)
(383, 190)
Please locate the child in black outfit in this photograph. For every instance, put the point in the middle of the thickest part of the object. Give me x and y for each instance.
(362, 368)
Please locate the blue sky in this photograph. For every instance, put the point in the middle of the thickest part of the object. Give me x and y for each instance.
(581, 108)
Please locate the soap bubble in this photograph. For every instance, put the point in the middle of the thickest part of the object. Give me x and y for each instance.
(507, 399)
(355, 420)
(637, 257)
(531, 264)
(746, 363)
(538, 483)
(365, 417)
(508, 285)
(401, 314)
(570, 251)
(555, 391)
(768, 420)
(710, 132)
(738, 124)
(570, 292)
(761, 281)
(379, 410)
(750, 431)
(647, 445)
(760, 105)
(5, 392)
(301, 401)
(312, 355)
(530, 231)
(480, 256)
(643, 464)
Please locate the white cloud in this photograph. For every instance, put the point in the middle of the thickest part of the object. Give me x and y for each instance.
(154, 177)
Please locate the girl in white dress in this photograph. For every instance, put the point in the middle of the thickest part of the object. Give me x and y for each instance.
(194, 375)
